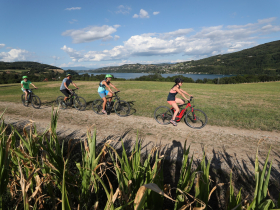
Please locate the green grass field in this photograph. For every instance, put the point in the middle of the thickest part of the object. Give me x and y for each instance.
(250, 106)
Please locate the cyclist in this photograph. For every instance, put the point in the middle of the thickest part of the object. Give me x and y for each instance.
(25, 86)
(172, 100)
(64, 86)
(103, 92)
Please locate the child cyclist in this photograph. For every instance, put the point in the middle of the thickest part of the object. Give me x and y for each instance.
(25, 86)
(103, 92)
(172, 100)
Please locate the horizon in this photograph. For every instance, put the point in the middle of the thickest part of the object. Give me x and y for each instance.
(97, 34)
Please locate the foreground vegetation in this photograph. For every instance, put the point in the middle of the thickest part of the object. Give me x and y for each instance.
(249, 106)
(43, 172)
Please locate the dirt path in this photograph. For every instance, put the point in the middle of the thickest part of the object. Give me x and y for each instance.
(227, 147)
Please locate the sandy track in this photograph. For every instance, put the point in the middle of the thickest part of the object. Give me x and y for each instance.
(227, 147)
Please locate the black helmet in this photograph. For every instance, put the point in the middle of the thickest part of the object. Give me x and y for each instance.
(178, 80)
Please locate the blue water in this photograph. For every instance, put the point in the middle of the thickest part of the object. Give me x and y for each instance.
(193, 76)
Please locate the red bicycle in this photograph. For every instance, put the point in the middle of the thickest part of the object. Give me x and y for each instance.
(194, 118)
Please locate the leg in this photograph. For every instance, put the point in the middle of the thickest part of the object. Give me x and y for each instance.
(175, 106)
(179, 101)
(104, 103)
(110, 96)
(26, 93)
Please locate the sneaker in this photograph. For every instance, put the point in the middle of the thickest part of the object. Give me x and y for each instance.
(26, 102)
(104, 112)
(173, 122)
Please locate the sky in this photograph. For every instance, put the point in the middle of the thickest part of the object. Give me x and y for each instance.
(94, 33)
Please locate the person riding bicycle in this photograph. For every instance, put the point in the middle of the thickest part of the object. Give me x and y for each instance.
(103, 92)
(172, 100)
(25, 86)
(64, 86)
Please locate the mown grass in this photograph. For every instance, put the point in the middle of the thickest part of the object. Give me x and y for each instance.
(250, 106)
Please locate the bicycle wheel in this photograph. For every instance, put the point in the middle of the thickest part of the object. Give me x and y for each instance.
(97, 106)
(80, 103)
(23, 100)
(196, 119)
(122, 108)
(60, 102)
(36, 102)
(163, 115)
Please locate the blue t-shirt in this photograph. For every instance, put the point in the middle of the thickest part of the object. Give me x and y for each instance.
(68, 82)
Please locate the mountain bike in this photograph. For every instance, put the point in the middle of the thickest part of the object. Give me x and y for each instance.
(194, 118)
(31, 98)
(121, 107)
(78, 101)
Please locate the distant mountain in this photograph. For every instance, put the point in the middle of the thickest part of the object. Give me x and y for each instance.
(262, 59)
(77, 68)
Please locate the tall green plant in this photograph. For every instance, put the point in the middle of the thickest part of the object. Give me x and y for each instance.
(90, 164)
(5, 144)
(260, 201)
(186, 180)
(131, 174)
(202, 186)
(233, 202)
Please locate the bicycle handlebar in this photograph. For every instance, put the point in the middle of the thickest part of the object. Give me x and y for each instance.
(75, 89)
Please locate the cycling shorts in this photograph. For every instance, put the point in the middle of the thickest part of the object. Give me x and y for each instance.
(23, 90)
(66, 92)
(103, 93)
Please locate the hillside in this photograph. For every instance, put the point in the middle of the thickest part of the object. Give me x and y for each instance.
(12, 72)
(262, 59)
(27, 66)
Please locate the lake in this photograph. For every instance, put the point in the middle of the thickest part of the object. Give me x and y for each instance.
(135, 75)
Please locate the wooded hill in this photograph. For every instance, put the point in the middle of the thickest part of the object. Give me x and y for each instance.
(12, 72)
(34, 67)
(262, 59)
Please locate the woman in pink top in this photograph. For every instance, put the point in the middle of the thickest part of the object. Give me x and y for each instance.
(172, 100)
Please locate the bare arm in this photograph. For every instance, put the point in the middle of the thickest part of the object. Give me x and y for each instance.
(33, 85)
(114, 87)
(180, 92)
(75, 85)
(185, 92)
(22, 86)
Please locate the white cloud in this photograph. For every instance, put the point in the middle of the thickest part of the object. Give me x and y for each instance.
(142, 14)
(55, 57)
(73, 8)
(116, 37)
(206, 42)
(91, 33)
(14, 55)
(73, 21)
(123, 10)
(155, 13)
(2, 45)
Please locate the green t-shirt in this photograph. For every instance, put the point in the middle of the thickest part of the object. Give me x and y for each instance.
(25, 84)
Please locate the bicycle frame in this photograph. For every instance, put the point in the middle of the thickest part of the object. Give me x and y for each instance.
(70, 99)
(182, 112)
(116, 97)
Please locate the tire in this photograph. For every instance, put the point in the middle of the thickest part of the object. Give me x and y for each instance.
(80, 103)
(36, 102)
(122, 108)
(201, 119)
(60, 102)
(97, 106)
(23, 100)
(163, 115)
